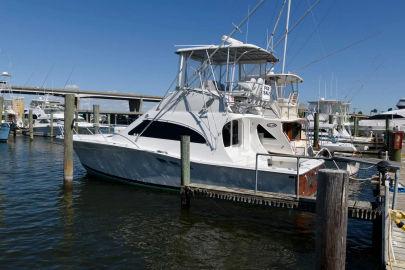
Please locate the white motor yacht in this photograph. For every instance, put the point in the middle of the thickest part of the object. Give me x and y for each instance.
(225, 102)
(334, 125)
(376, 123)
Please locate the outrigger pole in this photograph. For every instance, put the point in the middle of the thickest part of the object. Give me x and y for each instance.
(286, 34)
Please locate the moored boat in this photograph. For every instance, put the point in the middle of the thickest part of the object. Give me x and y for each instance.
(4, 131)
(225, 102)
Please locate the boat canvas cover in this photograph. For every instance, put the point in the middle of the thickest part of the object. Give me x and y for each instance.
(241, 52)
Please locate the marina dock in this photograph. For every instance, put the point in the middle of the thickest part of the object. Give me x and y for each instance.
(362, 210)
(247, 153)
(394, 237)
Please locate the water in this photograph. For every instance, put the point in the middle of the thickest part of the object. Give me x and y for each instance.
(108, 225)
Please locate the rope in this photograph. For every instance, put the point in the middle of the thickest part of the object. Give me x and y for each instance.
(390, 248)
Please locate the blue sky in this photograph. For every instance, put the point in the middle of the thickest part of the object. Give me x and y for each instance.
(129, 45)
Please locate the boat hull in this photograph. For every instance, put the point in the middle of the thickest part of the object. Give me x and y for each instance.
(4, 132)
(142, 167)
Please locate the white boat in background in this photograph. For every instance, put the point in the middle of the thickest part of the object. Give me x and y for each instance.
(225, 101)
(13, 110)
(4, 131)
(334, 126)
(376, 123)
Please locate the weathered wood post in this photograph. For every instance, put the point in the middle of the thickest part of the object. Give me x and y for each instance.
(77, 105)
(185, 171)
(115, 119)
(1, 108)
(387, 131)
(77, 121)
(331, 219)
(330, 119)
(96, 118)
(51, 126)
(31, 125)
(316, 131)
(68, 140)
(356, 126)
(109, 122)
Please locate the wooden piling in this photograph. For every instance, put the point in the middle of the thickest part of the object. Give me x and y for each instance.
(96, 118)
(331, 219)
(5, 116)
(109, 122)
(1, 108)
(31, 125)
(51, 126)
(185, 171)
(68, 140)
(387, 131)
(356, 126)
(76, 121)
(77, 105)
(330, 119)
(316, 131)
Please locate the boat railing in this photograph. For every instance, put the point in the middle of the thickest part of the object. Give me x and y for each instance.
(297, 157)
(119, 134)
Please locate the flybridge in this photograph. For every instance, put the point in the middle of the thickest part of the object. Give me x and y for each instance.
(242, 74)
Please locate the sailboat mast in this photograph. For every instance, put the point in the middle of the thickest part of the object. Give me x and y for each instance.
(286, 34)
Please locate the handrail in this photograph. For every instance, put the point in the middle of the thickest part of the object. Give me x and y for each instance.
(298, 157)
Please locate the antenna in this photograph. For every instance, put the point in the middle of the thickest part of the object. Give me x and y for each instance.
(286, 34)
(247, 26)
(270, 39)
(336, 88)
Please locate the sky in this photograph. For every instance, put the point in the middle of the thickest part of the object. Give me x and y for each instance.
(352, 50)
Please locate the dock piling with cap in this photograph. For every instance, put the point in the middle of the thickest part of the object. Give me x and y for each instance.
(51, 126)
(109, 122)
(316, 131)
(96, 118)
(68, 140)
(1, 108)
(185, 171)
(331, 219)
(31, 125)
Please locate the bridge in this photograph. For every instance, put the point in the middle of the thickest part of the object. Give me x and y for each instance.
(134, 100)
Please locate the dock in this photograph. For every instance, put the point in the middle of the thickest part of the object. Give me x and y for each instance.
(394, 237)
(363, 210)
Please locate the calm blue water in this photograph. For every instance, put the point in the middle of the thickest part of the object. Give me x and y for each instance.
(106, 225)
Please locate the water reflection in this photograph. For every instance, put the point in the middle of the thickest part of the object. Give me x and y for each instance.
(101, 224)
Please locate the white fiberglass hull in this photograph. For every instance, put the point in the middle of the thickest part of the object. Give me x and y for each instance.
(144, 167)
(4, 132)
(339, 146)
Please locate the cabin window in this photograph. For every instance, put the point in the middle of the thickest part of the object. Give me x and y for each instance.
(384, 116)
(44, 121)
(266, 134)
(293, 131)
(167, 131)
(230, 133)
